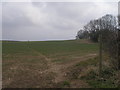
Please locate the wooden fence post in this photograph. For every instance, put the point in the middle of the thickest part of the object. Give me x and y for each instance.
(100, 55)
(118, 36)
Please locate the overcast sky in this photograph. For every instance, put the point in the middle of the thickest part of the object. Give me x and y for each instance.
(39, 21)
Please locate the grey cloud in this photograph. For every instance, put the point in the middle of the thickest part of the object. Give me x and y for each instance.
(13, 16)
(50, 20)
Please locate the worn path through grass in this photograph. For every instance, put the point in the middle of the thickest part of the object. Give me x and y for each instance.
(44, 64)
(60, 70)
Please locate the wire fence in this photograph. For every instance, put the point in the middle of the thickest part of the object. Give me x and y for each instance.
(110, 51)
(110, 47)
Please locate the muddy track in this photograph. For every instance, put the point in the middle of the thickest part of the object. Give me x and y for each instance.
(61, 69)
(52, 74)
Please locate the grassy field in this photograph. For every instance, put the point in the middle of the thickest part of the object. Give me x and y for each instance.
(41, 64)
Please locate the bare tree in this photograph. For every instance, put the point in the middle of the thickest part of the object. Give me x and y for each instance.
(107, 26)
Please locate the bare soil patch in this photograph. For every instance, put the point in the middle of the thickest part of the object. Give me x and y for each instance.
(39, 71)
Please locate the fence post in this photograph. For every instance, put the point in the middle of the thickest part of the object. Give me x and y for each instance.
(118, 35)
(100, 55)
(118, 49)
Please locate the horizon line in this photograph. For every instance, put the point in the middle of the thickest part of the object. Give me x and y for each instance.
(38, 40)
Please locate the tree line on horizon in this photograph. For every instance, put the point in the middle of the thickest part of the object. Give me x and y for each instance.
(108, 27)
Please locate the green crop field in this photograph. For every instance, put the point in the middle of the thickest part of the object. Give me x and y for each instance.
(43, 63)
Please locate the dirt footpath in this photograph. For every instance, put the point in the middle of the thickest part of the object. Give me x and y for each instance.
(61, 70)
(25, 71)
